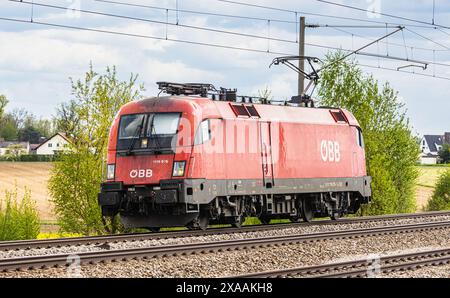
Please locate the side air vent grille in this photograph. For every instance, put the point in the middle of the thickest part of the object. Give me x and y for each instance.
(338, 116)
(245, 110)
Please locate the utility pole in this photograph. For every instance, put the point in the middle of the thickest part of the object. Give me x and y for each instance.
(301, 53)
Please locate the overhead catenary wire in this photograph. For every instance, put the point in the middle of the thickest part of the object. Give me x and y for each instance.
(177, 40)
(322, 15)
(93, 12)
(339, 28)
(197, 12)
(144, 36)
(384, 14)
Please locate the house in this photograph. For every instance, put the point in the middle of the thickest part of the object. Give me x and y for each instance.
(56, 143)
(430, 146)
(14, 148)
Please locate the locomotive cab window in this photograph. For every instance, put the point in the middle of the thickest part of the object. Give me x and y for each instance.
(148, 132)
(359, 137)
(203, 133)
(131, 126)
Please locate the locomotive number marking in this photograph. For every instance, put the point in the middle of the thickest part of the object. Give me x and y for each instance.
(141, 173)
(330, 151)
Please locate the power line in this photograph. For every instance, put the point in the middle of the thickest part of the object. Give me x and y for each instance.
(322, 15)
(144, 36)
(197, 12)
(154, 21)
(338, 28)
(404, 71)
(194, 43)
(429, 39)
(375, 55)
(383, 14)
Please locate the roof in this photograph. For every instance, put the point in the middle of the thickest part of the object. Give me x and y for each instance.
(207, 108)
(61, 134)
(23, 145)
(34, 146)
(432, 141)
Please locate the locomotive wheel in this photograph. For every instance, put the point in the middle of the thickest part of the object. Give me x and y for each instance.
(203, 221)
(264, 220)
(238, 221)
(307, 212)
(335, 216)
(296, 218)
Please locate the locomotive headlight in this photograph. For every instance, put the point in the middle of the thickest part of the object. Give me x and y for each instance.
(110, 171)
(144, 143)
(178, 168)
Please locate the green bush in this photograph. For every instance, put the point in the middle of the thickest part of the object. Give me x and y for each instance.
(75, 179)
(441, 196)
(19, 220)
(390, 146)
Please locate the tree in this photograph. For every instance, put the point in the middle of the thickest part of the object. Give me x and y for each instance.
(444, 153)
(441, 195)
(8, 128)
(3, 103)
(67, 118)
(391, 149)
(75, 179)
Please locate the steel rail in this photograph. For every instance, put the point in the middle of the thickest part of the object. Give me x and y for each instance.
(95, 240)
(361, 267)
(45, 261)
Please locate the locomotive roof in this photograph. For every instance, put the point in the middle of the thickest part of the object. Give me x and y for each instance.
(224, 109)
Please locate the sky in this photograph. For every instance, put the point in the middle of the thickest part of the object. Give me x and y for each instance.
(36, 61)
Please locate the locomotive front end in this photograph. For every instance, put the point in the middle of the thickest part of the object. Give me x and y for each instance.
(148, 157)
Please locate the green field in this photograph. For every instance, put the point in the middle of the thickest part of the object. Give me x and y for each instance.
(428, 176)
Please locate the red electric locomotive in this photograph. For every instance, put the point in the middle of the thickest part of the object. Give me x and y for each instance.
(195, 158)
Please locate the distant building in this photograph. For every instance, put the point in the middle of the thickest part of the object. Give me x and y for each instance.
(430, 146)
(56, 143)
(14, 148)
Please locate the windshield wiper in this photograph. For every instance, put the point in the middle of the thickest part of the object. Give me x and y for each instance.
(158, 148)
(136, 135)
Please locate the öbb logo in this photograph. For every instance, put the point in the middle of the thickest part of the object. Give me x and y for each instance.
(330, 151)
(141, 173)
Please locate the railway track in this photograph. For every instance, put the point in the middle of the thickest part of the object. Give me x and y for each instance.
(96, 240)
(369, 267)
(36, 262)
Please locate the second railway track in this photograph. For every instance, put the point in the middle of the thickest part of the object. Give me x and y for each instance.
(369, 267)
(76, 241)
(47, 261)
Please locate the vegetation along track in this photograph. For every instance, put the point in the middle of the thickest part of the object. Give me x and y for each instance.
(369, 267)
(45, 261)
(74, 241)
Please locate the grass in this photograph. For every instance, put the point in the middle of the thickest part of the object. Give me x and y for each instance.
(428, 175)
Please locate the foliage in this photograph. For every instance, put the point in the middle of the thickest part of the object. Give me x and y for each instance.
(20, 125)
(3, 103)
(75, 179)
(266, 94)
(8, 128)
(444, 153)
(68, 118)
(391, 149)
(441, 196)
(18, 220)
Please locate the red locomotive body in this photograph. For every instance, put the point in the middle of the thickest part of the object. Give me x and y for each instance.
(191, 161)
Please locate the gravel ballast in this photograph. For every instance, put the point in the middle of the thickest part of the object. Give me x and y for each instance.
(230, 263)
(220, 237)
